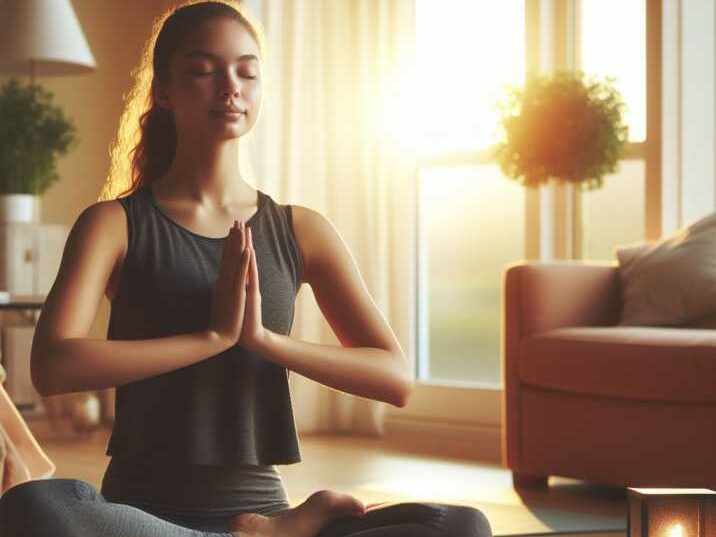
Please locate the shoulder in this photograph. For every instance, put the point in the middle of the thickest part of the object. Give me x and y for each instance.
(108, 215)
(305, 216)
(103, 222)
(317, 239)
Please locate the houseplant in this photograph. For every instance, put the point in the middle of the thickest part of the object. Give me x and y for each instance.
(33, 133)
(565, 127)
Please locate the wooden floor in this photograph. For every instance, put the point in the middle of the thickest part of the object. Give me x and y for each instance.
(394, 469)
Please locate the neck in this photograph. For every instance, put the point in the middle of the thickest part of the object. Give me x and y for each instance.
(206, 172)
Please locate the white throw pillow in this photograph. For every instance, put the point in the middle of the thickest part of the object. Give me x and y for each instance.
(670, 282)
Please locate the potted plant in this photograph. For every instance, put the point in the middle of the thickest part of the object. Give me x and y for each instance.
(33, 132)
(567, 127)
(564, 128)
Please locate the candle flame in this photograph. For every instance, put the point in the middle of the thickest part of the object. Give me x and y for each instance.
(677, 531)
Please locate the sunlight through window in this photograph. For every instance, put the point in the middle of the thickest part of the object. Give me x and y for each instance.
(621, 55)
(466, 52)
(471, 216)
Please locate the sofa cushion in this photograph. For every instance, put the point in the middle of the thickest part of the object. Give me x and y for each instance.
(645, 363)
(671, 282)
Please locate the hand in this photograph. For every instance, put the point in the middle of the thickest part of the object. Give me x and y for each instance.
(228, 296)
(253, 330)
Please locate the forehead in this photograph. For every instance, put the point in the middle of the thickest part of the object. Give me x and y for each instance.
(226, 38)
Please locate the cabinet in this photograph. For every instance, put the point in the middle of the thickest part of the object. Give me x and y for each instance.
(30, 255)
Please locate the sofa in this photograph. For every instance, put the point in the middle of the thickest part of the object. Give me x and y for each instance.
(588, 399)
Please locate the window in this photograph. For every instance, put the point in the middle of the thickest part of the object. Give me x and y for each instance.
(472, 220)
(471, 217)
(614, 215)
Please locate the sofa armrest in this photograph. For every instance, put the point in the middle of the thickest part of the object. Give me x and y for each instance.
(544, 295)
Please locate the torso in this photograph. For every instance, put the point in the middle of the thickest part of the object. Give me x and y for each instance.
(207, 224)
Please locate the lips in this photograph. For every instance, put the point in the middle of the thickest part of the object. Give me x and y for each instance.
(229, 110)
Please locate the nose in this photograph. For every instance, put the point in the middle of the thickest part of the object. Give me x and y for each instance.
(231, 86)
(229, 93)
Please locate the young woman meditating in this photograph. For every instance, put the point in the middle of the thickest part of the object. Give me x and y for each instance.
(202, 271)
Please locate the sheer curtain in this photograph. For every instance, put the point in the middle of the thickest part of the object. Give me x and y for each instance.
(329, 137)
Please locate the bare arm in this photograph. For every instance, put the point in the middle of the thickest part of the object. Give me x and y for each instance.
(63, 358)
(370, 362)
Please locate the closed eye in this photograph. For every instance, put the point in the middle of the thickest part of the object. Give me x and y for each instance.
(211, 72)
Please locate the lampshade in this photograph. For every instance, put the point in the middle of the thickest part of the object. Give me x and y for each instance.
(44, 36)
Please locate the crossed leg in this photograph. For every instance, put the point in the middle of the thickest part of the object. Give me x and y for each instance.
(61, 507)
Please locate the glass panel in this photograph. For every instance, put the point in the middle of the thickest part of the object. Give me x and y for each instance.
(466, 51)
(614, 215)
(472, 221)
(622, 54)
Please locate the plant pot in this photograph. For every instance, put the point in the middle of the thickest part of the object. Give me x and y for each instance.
(18, 208)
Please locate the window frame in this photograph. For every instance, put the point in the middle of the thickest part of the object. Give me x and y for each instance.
(468, 415)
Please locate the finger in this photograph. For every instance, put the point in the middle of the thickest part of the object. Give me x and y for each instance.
(238, 251)
(242, 242)
(246, 265)
(242, 270)
(254, 278)
(226, 254)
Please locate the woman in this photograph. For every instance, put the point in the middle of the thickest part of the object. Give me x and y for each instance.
(198, 343)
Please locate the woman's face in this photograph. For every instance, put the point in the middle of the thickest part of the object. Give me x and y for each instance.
(218, 67)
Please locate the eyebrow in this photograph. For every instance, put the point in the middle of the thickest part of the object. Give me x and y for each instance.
(203, 53)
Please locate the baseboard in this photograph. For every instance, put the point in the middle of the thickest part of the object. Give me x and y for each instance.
(474, 441)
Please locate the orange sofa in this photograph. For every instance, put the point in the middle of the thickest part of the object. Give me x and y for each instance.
(587, 399)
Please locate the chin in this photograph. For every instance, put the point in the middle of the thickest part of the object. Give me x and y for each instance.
(230, 135)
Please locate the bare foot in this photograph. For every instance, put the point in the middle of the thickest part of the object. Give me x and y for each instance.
(302, 521)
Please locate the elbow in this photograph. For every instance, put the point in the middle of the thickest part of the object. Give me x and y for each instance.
(405, 384)
(404, 393)
(39, 375)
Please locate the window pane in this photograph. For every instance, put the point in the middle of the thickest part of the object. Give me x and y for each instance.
(472, 225)
(466, 51)
(614, 215)
(614, 44)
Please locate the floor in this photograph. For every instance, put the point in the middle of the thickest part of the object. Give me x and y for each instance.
(393, 469)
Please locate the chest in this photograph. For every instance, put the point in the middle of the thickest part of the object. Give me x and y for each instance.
(167, 274)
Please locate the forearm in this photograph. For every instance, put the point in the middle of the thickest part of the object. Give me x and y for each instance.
(83, 364)
(364, 371)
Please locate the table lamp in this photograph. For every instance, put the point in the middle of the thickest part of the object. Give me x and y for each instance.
(42, 37)
(671, 512)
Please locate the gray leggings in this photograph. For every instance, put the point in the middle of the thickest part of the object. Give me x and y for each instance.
(61, 507)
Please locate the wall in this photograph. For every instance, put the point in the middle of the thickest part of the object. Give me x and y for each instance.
(116, 31)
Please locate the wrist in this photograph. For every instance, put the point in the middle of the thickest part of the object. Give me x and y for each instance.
(216, 340)
(262, 341)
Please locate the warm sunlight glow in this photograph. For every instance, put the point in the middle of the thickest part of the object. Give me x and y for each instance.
(622, 54)
(466, 52)
(399, 122)
(676, 531)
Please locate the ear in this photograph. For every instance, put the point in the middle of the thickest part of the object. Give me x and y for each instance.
(161, 97)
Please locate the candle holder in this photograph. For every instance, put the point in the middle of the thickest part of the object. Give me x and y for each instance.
(671, 512)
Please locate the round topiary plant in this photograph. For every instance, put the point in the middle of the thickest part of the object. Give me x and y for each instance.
(566, 126)
(33, 132)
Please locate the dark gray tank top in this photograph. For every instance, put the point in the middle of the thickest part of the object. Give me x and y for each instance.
(201, 438)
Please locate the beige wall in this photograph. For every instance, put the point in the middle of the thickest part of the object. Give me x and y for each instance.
(116, 31)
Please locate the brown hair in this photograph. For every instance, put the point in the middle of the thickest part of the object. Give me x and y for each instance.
(137, 162)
